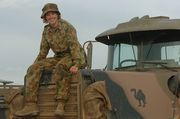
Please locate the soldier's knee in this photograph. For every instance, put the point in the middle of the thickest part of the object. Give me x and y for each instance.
(34, 67)
(60, 67)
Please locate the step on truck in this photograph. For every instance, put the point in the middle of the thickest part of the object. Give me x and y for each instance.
(140, 81)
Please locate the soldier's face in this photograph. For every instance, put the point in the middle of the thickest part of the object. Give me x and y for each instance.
(52, 18)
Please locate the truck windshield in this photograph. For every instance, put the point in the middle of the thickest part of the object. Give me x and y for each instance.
(146, 55)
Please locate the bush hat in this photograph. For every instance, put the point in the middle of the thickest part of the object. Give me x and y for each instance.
(49, 7)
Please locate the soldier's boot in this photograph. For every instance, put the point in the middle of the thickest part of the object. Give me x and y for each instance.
(30, 109)
(60, 109)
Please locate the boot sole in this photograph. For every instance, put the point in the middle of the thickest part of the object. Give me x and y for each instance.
(59, 113)
(28, 114)
(34, 114)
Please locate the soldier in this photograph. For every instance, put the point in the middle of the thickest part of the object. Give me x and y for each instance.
(59, 36)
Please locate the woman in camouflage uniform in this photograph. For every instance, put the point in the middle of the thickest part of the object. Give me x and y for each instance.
(59, 36)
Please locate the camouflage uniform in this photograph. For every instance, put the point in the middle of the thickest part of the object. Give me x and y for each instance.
(63, 42)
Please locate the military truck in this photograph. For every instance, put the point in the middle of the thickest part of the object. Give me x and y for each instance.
(141, 79)
(142, 75)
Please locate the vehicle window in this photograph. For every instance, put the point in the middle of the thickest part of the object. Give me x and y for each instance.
(124, 55)
(171, 53)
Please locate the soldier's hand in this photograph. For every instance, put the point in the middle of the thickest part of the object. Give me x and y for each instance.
(73, 69)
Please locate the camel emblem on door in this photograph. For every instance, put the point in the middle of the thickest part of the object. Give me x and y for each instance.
(139, 96)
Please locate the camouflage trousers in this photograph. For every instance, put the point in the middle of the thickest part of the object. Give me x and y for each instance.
(61, 76)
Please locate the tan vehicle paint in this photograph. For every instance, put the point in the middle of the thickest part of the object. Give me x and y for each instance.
(154, 107)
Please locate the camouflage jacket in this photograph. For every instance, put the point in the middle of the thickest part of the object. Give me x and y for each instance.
(59, 40)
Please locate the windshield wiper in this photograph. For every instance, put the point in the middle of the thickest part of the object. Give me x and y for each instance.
(161, 63)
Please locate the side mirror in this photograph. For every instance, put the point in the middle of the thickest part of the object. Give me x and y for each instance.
(174, 84)
(88, 46)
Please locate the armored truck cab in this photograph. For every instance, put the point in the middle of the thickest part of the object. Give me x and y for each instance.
(142, 75)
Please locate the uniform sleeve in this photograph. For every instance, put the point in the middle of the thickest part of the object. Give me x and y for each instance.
(44, 49)
(74, 47)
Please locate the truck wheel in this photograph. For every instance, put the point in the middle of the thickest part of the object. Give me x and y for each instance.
(95, 103)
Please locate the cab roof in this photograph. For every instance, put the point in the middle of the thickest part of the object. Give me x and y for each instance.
(139, 28)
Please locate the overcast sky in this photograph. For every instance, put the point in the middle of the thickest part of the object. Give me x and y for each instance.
(21, 26)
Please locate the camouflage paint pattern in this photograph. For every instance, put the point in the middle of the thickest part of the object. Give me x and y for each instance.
(63, 42)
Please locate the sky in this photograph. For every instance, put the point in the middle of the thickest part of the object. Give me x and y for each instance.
(21, 27)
